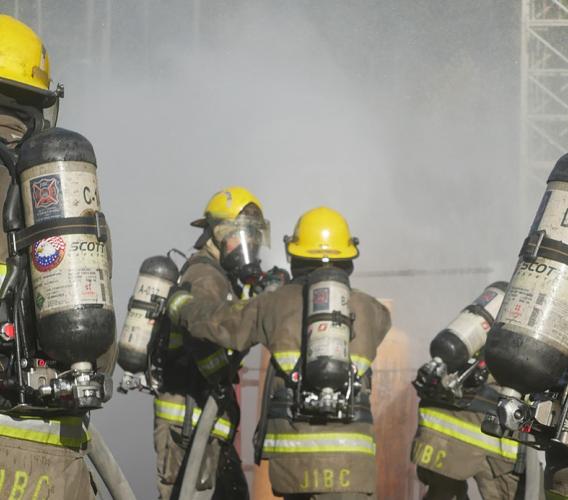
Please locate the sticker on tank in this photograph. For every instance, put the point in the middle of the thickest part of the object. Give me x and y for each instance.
(321, 299)
(484, 299)
(48, 254)
(46, 194)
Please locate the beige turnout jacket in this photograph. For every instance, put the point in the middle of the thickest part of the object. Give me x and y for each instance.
(304, 458)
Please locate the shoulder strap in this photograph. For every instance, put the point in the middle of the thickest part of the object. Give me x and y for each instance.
(200, 259)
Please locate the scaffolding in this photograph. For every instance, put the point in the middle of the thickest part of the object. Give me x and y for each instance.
(544, 92)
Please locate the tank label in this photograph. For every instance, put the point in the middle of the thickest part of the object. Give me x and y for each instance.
(46, 195)
(48, 254)
(321, 299)
(328, 296)
(471, 329)
(137, 330)
(552, 215)
(536, 303)
(148, 285)
(484, 299)
(327, 339)
(70, 271)
(59, 189)
(491, 301)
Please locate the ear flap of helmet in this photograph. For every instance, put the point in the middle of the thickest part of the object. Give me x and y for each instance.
(204, 238)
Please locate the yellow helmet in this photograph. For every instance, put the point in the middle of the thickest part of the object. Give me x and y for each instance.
(322, 234)
(227, 204)
(24, 63)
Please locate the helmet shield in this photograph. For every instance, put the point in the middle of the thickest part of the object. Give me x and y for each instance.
(240, 241)
(51, 113)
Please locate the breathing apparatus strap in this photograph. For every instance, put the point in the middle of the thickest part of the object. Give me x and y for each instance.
(90, 224)
(485, 401)
(336, 317)
(153, 309)
(279, 404)
(538, 245)
(201, 259)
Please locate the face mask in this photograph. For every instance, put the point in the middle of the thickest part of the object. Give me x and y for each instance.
(12, 130)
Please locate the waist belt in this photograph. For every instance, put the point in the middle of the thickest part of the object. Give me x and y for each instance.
(319, 442)
(175, 412)
(466, 432)
(485, 401)
(280, 406)
(68, 432)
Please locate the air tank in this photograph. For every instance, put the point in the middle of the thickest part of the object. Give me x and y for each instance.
(70, 269)
(328, 329)
(467, 333)
(527, 348)
(156, 278)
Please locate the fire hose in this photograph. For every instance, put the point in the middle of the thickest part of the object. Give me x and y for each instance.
(107, 467)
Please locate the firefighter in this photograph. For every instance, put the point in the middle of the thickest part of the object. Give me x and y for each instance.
(42, 455)
(219, 273)
(316, 429)
(456, 391)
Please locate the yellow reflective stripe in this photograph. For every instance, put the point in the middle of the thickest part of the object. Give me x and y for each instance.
(466, 432)
(213, 363)
(552, 495)
(175, 341)
(286, 359)
(362, 364)
(222, 428)
(63, 431)
(3, 271)
(175, 412)
(179, 299)
(329, 442)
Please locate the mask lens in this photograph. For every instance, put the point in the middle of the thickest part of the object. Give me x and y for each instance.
(243, 241)
(240, 241)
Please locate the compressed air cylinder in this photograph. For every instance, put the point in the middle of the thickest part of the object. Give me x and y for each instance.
(328, 329)
(467, 333)
(527, 348)
(156, 277)
(70, 270)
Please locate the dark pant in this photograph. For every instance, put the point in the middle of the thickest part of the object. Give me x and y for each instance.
(442, 487)
(330, 496)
